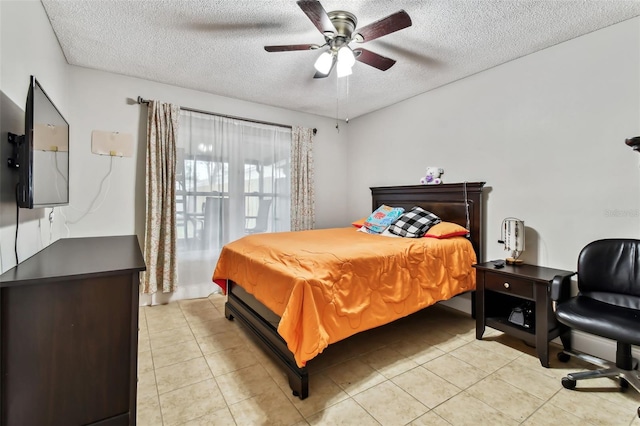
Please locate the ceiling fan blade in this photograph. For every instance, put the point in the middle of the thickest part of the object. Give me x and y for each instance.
(316, 13)
(290, 47)
(384, 26)
(373, 59)
(320, 75)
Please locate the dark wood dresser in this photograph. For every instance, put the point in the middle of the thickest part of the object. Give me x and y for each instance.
(69, 334)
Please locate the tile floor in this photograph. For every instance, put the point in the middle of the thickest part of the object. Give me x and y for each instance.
(197, 368)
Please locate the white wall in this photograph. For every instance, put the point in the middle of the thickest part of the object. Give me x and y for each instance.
(92, 100)
(28, 47)
(546, 132)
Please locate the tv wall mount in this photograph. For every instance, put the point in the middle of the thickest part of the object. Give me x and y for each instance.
(16, 141)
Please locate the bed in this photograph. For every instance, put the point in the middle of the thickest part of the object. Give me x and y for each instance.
(295, 303)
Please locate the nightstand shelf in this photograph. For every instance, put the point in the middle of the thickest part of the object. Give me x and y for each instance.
(498, 291)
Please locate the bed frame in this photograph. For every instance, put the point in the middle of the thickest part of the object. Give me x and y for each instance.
(448, 201)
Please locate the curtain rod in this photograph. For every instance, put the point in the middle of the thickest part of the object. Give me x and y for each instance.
(146, 101)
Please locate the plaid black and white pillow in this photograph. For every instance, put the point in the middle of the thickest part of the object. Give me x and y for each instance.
(414, 223)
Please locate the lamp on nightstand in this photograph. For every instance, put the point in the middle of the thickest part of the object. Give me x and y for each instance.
(513, 239)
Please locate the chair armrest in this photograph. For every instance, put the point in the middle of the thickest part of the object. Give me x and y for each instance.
(560, 287)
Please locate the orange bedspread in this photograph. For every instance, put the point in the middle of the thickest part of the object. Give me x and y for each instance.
(329, 284)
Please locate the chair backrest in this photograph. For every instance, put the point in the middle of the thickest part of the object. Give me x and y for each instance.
(262, 220)
(610, 269)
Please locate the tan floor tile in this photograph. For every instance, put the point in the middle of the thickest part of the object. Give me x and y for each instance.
(209, 327)
(418, 351)
(143, 334)
(430, 419)
(231, 359)
(426, 387)
(142, 322)
(455, 371)
(333, 355)
(144, 345)
(201, 310)
(388, 362)
(182, 374)
(389, 404)
(610, 390)
(245, 383)
(148, 412)
(220, 342)
(506, 398)
(160, 310)
(218, 300)
(347, 412)
(550, 415)
(534, 381)
(190, 402)
(168, 322)
(444, 341)
(147, 385)
(355, 365)
(145, 362)
(158, 313)
(481, 357)
(174, 354)
(592, 408)
(192, 305)
(271, 408)
(274, 369)
(355, 376)
(170, 337)
(557, 368)
(323, 393)
(463, 409)
(221, 417)
(507, 345)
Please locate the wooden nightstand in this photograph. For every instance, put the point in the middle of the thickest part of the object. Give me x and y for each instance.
(498, 291)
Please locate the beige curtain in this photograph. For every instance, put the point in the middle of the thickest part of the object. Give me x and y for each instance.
(160, 228)
(302, 195)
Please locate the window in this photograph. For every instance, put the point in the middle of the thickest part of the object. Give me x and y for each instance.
(233, 178)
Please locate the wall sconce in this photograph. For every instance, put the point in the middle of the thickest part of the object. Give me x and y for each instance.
(513, 238)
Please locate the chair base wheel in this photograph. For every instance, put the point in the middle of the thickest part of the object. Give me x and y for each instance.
(568, 383)
(624, 384)
(639, 412)
(563, 357)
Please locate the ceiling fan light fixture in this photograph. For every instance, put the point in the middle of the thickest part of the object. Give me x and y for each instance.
(323, 63)
(346, 56)
(343, 69)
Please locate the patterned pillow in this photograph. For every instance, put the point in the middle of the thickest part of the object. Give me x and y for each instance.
(381, 218)
(414, 223)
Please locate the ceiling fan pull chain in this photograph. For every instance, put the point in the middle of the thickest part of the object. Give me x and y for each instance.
(337, 104)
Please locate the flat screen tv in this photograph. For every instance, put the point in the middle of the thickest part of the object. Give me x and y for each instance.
(43, 154)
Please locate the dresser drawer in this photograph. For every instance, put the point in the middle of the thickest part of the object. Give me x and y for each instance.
(509, 285)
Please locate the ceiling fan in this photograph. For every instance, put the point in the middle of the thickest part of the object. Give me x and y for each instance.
(339, 29)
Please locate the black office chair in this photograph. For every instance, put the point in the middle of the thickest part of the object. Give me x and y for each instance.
(607, 305)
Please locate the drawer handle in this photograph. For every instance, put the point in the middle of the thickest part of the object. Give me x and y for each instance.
(506, 285)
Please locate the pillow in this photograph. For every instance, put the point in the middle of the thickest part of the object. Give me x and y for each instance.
(414, 223)
(446, 230)
(358, 223)
(382, 217)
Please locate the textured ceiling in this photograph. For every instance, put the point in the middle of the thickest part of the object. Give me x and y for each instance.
(216, 46)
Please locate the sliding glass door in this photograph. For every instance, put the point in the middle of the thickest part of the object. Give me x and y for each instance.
(233, 179)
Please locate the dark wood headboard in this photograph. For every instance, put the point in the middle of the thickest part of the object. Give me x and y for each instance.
(447, 200)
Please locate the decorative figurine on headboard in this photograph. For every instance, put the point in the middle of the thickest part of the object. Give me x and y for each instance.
(433, 176)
